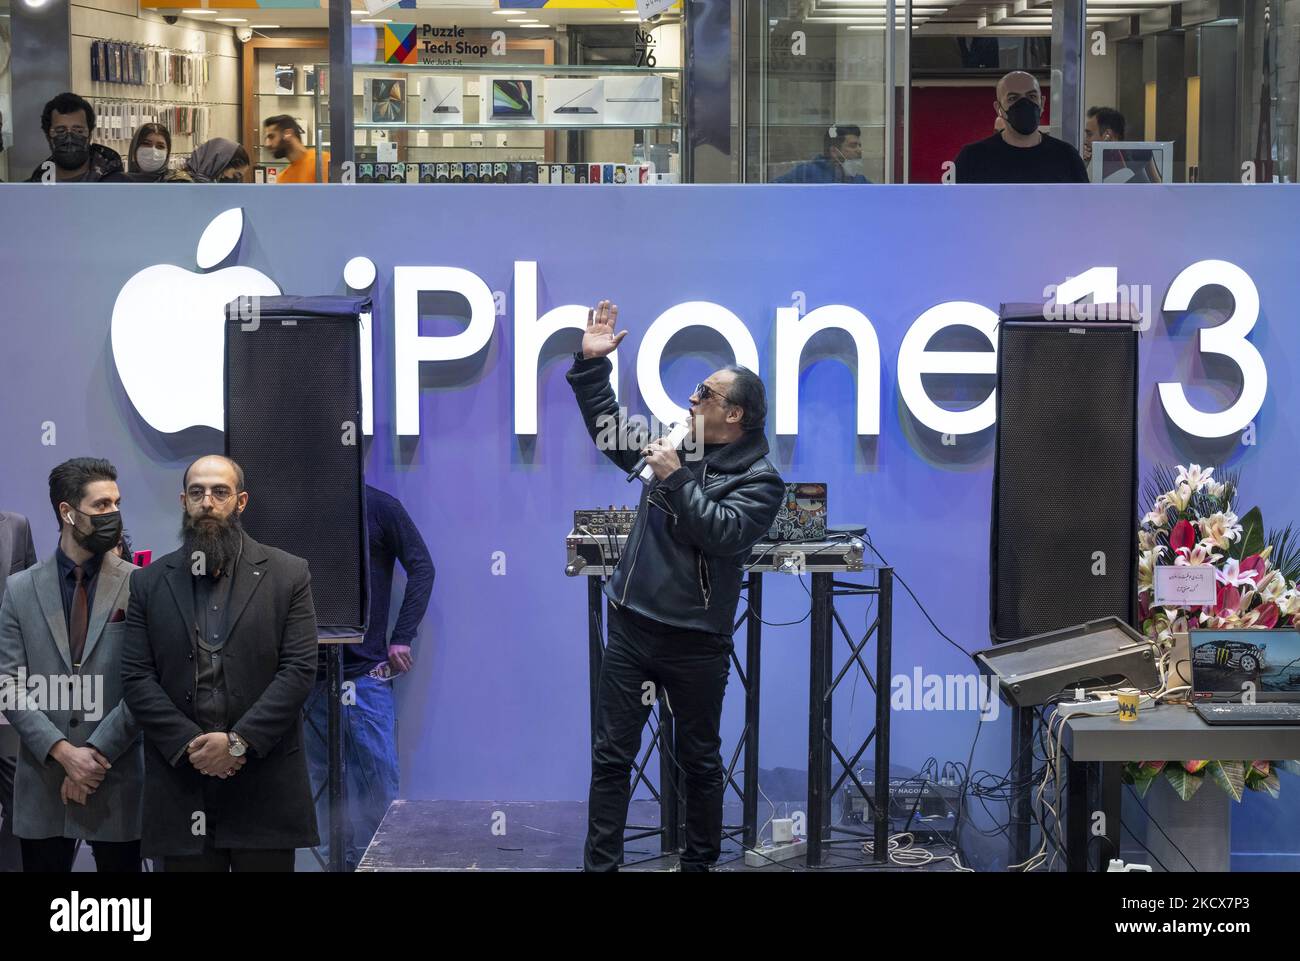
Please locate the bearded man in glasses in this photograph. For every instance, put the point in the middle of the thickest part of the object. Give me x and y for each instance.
(674, 591)
(220, 657)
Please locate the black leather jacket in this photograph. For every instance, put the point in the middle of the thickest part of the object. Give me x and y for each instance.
(684, 557)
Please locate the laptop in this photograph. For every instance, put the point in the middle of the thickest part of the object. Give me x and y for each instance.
(443, 107)
(1232, 666)
(512, 98)
(802, 516)
(569, 107)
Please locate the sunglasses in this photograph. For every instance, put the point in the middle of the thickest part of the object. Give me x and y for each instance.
(703, 391)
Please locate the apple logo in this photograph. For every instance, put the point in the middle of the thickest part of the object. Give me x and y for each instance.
(168, 331)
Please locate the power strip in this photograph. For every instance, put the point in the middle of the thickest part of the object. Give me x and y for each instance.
(776, 852)
(1100, 705)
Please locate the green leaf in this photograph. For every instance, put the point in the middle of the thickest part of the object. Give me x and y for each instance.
(1143, 784)
(1159, 481)
(1252, 535)
(1286, 552)
(1229, 775)
(1184, 784)
(1271, 784)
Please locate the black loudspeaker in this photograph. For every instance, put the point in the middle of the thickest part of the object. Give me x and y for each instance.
(293, 423)
(1063, 548)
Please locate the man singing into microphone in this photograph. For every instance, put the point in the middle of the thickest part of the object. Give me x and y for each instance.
(673, 594)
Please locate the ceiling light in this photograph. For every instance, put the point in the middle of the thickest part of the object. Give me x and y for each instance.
(377, 20)
(263, 26)
(232, 20)
(195, 13)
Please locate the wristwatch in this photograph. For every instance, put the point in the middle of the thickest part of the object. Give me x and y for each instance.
(238, 747)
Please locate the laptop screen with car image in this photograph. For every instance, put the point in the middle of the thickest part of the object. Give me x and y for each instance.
(1228, 663)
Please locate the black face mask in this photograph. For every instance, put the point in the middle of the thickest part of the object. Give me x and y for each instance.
(105, 534)
(70, 150)
(1023, 116)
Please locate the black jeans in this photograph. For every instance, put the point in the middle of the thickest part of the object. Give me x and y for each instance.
(56, 855)
(11, 858)
(691, 669)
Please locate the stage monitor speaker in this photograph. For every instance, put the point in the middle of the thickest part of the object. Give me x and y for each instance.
(1063, 546)
(293, 423)
(1102, 654)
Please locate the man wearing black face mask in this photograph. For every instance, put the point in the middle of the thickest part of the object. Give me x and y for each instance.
(62, 629)
(69, 123)
(1020, 153)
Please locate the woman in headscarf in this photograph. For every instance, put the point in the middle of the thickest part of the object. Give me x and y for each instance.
(216, 161)
(151, 148)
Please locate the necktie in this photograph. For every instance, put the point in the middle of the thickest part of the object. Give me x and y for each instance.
(78, 622)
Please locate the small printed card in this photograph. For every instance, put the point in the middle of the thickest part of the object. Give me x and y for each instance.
(1184, 586)
(652, 8)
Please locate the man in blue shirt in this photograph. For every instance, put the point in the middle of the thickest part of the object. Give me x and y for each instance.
(839, 163)
(370, 724)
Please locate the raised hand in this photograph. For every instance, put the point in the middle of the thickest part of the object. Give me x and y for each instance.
(600, 339)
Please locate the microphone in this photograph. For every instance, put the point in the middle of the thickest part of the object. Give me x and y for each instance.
(674, 437)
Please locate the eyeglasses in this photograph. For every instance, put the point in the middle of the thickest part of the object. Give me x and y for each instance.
(703, 391)
(220, 494)
(63, 131)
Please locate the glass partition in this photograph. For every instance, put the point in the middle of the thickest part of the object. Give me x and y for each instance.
(1218, 81)
(6, 99)
(815, 104)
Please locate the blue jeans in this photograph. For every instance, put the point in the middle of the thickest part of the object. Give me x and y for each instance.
(369, 761)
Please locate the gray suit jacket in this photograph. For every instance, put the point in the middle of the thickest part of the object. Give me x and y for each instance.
(17, 552)
(34, 646)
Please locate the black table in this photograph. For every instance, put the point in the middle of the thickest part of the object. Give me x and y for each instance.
(1096, 748)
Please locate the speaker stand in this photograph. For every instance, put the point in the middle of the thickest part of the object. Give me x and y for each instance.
(334, 682)
(1022, 770)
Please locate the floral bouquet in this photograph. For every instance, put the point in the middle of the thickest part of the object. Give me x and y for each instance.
(1193, 521)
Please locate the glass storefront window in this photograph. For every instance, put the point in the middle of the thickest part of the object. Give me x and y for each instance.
(575, 96)
(814, 95)
(759, 91)
(1219, 83)
(6, 85)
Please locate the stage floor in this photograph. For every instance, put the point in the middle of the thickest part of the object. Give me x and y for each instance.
(548, 836)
